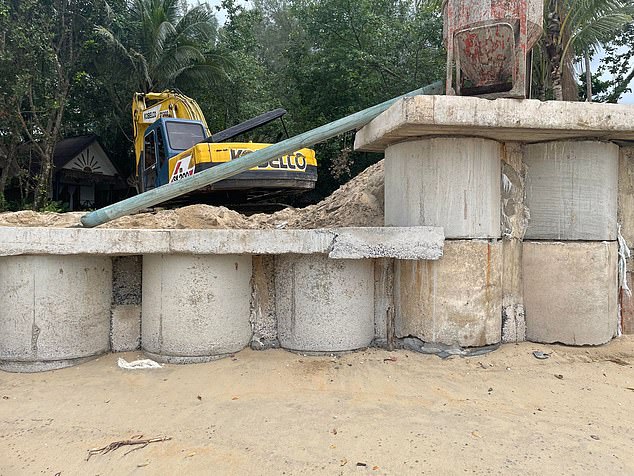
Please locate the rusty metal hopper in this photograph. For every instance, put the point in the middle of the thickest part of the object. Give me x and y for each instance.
(487, 43)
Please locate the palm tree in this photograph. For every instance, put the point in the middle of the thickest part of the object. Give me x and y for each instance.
(574, 28)
(163, 46)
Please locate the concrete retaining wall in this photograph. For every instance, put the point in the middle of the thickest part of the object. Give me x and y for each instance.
(571, 292)
(54, 311)
(453, 183)
(455, 300)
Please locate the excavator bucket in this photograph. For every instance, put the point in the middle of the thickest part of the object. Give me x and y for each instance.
(487, 44)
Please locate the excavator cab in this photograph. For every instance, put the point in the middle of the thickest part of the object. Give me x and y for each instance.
(166, 138)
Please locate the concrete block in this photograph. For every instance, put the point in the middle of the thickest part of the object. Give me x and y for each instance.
(513, 311)
(263, 316)
(384, 302)
(54, 311)
(195, 308)
(125, 328)
(324, 305)
(502, 120)
(571, 292)
(571, 190)
(455, 300)
(126, 280)
(453, 183)
(402, 243)
(626, 194)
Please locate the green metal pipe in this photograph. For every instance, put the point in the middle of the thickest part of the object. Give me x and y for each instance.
(258, 157)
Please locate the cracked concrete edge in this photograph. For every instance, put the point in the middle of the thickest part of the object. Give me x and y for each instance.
(341, 243)
(421, 242)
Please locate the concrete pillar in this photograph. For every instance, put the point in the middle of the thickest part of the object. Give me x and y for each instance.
(263, 317)
(571, 190)
(195, 308)
(323, 304)
(571, 292)
(456, 300)
(449, 182)
(54, 311)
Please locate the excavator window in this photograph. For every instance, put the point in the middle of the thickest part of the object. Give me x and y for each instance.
(183, 135)
(149, 150)
(161, 147)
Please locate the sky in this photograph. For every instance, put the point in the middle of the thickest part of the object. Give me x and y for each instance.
(625, 99)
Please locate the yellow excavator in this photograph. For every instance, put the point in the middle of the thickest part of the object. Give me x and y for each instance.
(172, 141)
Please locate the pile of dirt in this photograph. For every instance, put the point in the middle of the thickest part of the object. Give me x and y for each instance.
(356, 203)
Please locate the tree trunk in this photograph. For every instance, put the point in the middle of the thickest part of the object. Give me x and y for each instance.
(588, 77)
(44, 184)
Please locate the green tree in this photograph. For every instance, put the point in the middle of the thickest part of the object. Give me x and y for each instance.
(574, 28)
(162, 46)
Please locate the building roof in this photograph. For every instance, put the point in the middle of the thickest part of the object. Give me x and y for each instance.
(67, 149)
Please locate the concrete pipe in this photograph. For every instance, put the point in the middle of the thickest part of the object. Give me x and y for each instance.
(450, 182)
(54, 311)
(324, 305)
(195, 308)
(571, 190)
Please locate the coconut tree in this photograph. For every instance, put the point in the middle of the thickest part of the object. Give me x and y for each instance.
(161, 45)
(574, 28)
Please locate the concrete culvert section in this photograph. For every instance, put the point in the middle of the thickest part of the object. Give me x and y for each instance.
(54, 311)
(324, 305)
(195, 308)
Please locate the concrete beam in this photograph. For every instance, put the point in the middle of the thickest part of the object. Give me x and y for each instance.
(341, 243)
(502, 119)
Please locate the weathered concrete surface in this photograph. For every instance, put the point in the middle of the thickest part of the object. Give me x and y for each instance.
(324, 305)
(513, 311)
(401, 243)
(515, 214)
(571, 190)
(419, 242)
(514, 223)
(455, 300)
(627, 308)
(453, 183)
(195, 308)
(502, 119)
(125, 327)
(384, 302)
(125, 320)
(263, 317)
(571, 292)
(626, 193)
(54, 312)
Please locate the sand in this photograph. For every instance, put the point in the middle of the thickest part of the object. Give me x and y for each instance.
(371, 412)
(356, 203)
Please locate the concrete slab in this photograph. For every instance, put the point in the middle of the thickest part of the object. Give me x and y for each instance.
(324, 305)
(54, 312)
(418, 242)
(423, 242)
(195, 308)
(455, 300)
(453, 183)
(525, 120)
(571, 190)
(570, 292)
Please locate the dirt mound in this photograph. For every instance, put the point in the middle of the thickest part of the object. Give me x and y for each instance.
(356, 203)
